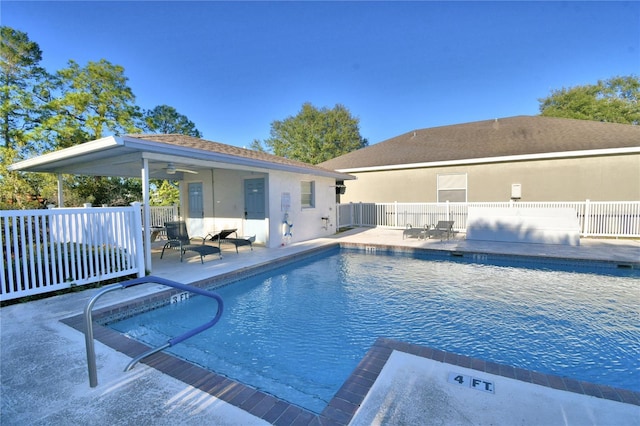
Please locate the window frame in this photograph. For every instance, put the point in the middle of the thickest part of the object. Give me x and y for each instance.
(307, 194)
(442, 186)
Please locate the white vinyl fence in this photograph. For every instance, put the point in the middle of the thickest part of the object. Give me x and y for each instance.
(162, 214)
(48, 250)
(596, 218)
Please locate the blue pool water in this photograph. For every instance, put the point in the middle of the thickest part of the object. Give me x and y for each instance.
(298, 332)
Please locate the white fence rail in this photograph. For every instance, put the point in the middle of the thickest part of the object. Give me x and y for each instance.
(49, 250)
(596, 218)
(162, 214)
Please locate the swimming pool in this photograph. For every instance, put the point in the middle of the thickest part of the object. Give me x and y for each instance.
(297, 332)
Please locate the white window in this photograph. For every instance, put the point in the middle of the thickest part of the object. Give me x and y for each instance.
(307, 194)
(452, 187)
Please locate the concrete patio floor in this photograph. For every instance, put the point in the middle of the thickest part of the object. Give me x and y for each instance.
(44, 381)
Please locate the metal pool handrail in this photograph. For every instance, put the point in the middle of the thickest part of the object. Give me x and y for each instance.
(91, 353)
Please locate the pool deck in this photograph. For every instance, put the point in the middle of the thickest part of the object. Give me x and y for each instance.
(44, 380)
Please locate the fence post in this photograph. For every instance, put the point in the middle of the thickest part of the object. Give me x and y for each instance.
(587, 216)
(448, 211)
(395, 213)
(141, 257)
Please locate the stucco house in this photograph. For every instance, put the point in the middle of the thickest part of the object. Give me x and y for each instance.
(528, 158)
(221, 186)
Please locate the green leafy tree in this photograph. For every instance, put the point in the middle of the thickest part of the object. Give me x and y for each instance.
(91, 101)
(15, 191)
(23, 93)
(40, 112)
(22, 83)
(165, 119)
(616, 100)
(166, 194)
(314, 135)
(111, 190)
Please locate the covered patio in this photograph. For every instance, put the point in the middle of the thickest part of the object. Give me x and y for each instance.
(221, 186)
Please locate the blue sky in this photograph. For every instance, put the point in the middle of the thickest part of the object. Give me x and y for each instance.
(235, 67)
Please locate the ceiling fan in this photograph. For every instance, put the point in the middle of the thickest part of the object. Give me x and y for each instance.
(171, 169)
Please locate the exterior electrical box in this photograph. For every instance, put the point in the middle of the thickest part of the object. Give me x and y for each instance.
(516, 191)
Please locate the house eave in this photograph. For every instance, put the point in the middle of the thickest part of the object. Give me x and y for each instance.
(502, 159)
(44, 162)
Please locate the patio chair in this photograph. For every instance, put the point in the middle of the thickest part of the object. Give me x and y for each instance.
(410, 232)
(444, 229)
(224, 237)
(178, 239)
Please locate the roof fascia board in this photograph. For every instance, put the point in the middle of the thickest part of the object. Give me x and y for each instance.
(504, 159)
(63, 154)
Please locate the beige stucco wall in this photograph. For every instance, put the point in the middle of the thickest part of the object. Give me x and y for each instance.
(605, 178)
(223, 200)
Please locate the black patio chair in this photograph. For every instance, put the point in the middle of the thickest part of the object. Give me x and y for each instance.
(178, 239)
(224, 236)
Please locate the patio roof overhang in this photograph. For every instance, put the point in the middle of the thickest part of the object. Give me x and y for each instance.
(148, 157)
(124, 156)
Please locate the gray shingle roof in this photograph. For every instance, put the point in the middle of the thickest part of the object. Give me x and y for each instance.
(230, 150)
(520, 135)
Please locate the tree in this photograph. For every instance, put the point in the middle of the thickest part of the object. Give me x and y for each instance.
(166, 194)
(314, 135)
(87, 103)
(23, 93)
(616, 100)
(110, 190)
(165, 119)
(40, 112)
(90, 101)
(22, 79)
(15, 191)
